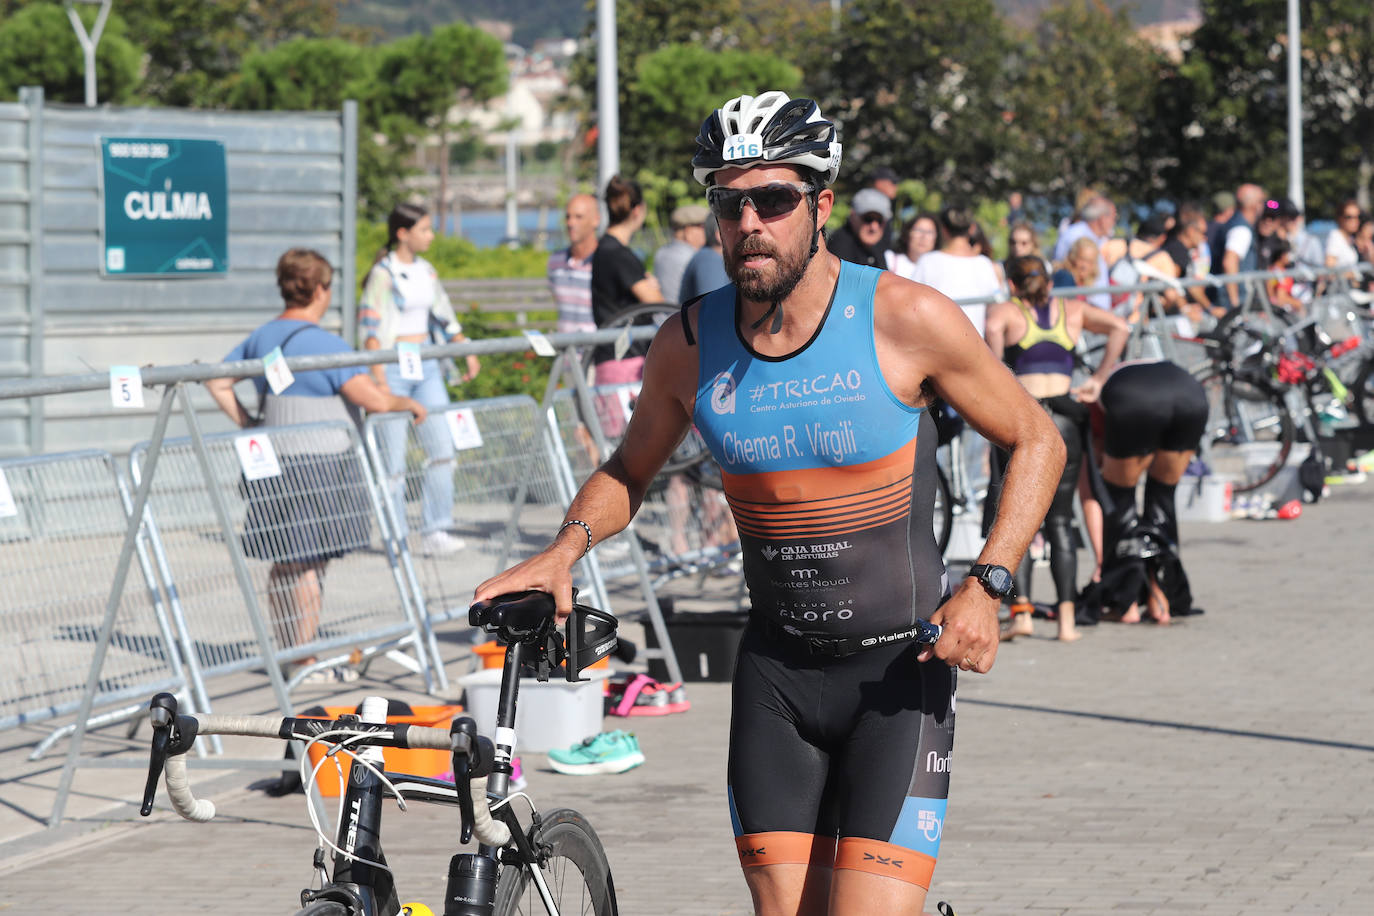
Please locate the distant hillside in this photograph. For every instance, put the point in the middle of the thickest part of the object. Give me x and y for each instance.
(1143, 12)
(531, 20)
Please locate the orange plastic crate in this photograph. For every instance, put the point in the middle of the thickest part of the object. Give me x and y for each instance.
(398, 760)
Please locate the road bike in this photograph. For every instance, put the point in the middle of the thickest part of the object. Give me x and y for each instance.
(554, 865)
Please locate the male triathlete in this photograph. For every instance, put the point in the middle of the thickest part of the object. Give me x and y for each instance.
(810, 379)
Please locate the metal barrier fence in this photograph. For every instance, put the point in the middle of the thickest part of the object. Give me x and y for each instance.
(684, 524)
(201, 506)
(61, 521)
(305, 518)
(481, 472)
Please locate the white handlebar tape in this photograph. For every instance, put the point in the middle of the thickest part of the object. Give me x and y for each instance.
(488, 831)
(179, 790)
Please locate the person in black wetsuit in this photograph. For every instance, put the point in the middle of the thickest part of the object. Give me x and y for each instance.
(1154, 415)
(1035, 335)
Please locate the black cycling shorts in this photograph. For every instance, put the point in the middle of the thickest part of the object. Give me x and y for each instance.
(1152, 407)
(840, 763)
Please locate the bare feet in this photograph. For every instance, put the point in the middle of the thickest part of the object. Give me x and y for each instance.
(1068, 629)
(1158, 605)
(1020, 623)
(1130, 615)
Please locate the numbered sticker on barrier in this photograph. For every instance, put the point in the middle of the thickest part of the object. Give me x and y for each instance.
(257, 457)
(279, 377)
(462, 426)
(540, 343)
(7, 507)
(126, 386)
(408, 356)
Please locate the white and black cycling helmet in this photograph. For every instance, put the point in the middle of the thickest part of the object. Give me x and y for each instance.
(767, 129)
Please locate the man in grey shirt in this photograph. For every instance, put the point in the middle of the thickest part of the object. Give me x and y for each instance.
(688, 223)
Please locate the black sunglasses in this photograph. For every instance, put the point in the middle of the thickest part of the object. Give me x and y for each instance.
(777, 198)
(872, 217)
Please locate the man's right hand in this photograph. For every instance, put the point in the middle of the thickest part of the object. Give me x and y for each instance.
(417, 410)
(550, 571)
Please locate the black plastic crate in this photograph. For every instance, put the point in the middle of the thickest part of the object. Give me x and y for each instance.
(705, 644)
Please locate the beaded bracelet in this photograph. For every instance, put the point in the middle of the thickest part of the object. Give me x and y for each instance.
(585, 527)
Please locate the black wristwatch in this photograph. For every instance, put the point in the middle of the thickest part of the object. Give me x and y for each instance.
(994, 579)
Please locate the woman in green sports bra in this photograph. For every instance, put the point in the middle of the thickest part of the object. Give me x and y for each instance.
(1036, 336)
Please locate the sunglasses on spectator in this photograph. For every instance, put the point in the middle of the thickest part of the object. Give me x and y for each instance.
(1350, 216)
(872, 217)
(777, 198)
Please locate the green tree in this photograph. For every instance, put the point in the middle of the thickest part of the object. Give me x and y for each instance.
(1231, 100)
(1338, 54)
(645, 27)
(920, 88)
(421, 77)
(676, 86)
(194, 48)
(1082, 103)
(38, 47)
(319, 74)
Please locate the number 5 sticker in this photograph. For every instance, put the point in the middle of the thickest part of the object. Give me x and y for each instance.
(126, 386)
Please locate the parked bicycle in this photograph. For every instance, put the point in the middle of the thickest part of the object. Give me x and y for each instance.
(555, 866)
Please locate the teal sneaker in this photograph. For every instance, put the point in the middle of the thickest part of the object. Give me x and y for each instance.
(608, 752)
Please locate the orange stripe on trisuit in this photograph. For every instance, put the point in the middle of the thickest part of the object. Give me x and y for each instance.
(827, 529)
(878, 858)
(821, 483)
(785, 848)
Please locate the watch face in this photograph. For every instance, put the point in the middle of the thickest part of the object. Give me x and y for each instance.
(999, 579)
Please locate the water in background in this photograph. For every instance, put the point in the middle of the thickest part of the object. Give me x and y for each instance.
(487, 228)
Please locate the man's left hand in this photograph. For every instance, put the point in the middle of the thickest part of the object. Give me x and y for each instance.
(971, 631)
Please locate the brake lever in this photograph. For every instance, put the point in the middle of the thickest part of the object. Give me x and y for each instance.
(162, 713)
(463, 733)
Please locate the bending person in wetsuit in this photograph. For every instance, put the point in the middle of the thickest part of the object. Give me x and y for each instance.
(810, 379)
(1154, 416)
(1035, 335)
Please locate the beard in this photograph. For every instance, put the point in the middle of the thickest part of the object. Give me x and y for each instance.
(772, 282)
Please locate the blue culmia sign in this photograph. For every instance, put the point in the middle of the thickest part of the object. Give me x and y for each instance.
(165, 206)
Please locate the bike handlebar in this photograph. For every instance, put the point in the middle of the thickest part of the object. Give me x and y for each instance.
(173, 736)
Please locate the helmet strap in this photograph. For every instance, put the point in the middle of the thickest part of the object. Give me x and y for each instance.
(776, 311)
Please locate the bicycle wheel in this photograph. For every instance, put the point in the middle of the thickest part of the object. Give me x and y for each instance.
(943, 520)
(1362, 393)
(1249, 433)
(576, 872)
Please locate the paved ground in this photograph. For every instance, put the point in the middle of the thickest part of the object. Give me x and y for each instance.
(1221, 765)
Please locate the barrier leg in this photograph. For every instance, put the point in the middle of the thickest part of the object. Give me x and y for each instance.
(102, 645)
(231, 541)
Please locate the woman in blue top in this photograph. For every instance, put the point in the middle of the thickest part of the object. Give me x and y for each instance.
(317, 508)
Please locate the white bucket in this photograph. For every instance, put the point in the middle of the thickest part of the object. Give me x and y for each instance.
(549, 714)
(1203, 499)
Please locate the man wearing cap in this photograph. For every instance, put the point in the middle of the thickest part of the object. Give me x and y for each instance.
(860, 239)
(688, 223)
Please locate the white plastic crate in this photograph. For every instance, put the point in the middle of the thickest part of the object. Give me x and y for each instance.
(549, 714)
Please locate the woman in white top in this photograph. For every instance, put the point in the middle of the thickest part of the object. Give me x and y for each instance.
(957, 269)
(403, 302)
(919, 237)
(1340, 242)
